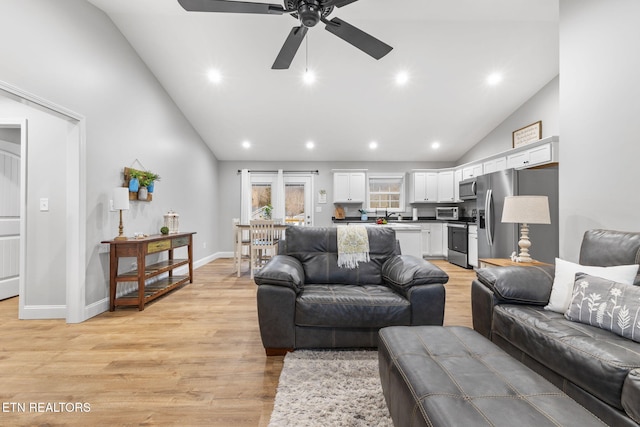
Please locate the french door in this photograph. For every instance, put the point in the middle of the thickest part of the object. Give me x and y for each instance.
(292, 203)
(298, 199)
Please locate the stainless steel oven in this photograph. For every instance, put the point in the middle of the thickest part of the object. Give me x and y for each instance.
(447, 213)
(458, 244)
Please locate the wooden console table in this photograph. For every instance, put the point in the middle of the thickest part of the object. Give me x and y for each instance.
(140, 248)
(505, 262)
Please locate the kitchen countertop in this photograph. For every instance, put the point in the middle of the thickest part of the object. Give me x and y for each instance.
(422, 219)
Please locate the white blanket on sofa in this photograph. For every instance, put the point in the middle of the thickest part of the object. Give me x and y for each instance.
(353, 246)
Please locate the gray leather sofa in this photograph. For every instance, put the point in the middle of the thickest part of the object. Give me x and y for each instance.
(306, 301)
(597, 368)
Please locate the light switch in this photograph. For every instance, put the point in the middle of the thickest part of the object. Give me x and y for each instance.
(44, 204)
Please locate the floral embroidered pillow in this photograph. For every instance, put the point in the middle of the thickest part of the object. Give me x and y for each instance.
(606, 304)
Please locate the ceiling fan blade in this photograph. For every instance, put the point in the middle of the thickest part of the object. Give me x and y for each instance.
(341, 3)
(231, 7)
(358, 38)
(290, 48)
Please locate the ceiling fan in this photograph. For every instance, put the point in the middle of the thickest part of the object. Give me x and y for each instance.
(308, 12)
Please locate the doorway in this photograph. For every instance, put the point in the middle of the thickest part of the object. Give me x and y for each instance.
(10, 190)
(34, 294)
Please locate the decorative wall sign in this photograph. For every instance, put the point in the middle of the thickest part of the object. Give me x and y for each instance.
(322, 196)
(527, 134)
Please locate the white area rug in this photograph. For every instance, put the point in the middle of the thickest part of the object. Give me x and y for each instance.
(330, 388)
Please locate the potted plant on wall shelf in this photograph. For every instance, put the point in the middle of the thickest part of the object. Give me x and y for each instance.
(147, 180)
(151, 179)
(134, 180)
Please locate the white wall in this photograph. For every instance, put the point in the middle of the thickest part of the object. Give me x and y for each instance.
(599, 111)
(541, 106)
(71, 54)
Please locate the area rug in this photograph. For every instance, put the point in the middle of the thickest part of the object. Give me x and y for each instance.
(330, 388)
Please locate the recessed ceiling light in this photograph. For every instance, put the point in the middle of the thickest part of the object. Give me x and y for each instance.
(402, 78)
(310, 145)
(435, 145)
(309, 77)
(373, 145)
(246, 144)
(214, 76)
(494, 78)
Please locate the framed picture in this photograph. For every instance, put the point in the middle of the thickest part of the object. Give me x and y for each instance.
(527, 134)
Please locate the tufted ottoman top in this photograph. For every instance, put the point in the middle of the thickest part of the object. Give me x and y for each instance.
(437, 376)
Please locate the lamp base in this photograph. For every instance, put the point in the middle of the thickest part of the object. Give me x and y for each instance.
(121, 235)
(524, 243)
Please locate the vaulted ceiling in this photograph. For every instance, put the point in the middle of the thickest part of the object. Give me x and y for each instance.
(447, 48)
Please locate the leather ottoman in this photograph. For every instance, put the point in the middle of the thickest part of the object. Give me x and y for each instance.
(453, 376)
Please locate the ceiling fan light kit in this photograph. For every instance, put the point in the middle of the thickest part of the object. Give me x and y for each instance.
(309, 13)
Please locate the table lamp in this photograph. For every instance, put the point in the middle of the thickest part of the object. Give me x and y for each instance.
(121, 203)
(526, 210)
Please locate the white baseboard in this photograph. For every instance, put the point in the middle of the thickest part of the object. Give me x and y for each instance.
(96, 308)
(32, 312)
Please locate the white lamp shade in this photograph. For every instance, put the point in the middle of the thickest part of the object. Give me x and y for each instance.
(526, 210)
(121, 198)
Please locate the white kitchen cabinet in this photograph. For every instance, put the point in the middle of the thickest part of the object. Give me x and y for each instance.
(446, 192)
(349, 187)
(432, 239)
(494, 165)
(472, 171)
(532, 157)
(410, 241)
(457, 177)
(472, 250)
(425, 187)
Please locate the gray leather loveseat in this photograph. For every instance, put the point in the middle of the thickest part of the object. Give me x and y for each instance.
(306, 301)
(597, 368)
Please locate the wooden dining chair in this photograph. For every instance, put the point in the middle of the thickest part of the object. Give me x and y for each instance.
(240, 242)
(263, 243)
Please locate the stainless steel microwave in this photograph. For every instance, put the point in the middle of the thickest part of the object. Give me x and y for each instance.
(468, 189)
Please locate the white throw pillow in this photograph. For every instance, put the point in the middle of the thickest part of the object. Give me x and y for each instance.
(566, 276)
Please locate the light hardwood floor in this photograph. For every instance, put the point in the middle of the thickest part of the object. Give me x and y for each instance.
(191, 358)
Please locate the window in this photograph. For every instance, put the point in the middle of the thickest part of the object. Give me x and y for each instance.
(294, 203)
(387, 192)
(260, 198)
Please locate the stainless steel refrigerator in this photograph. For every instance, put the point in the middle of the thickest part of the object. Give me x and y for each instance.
(498, 240)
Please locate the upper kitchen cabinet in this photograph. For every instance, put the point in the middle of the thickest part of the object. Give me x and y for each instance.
(494, 165)
(540, 154)
(432, 186)
(446, 192)
(424, 185)
(349, 186)
(472, 171)
(457, 177)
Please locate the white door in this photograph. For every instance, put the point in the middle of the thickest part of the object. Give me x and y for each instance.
(9, 219)
(298, 200)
